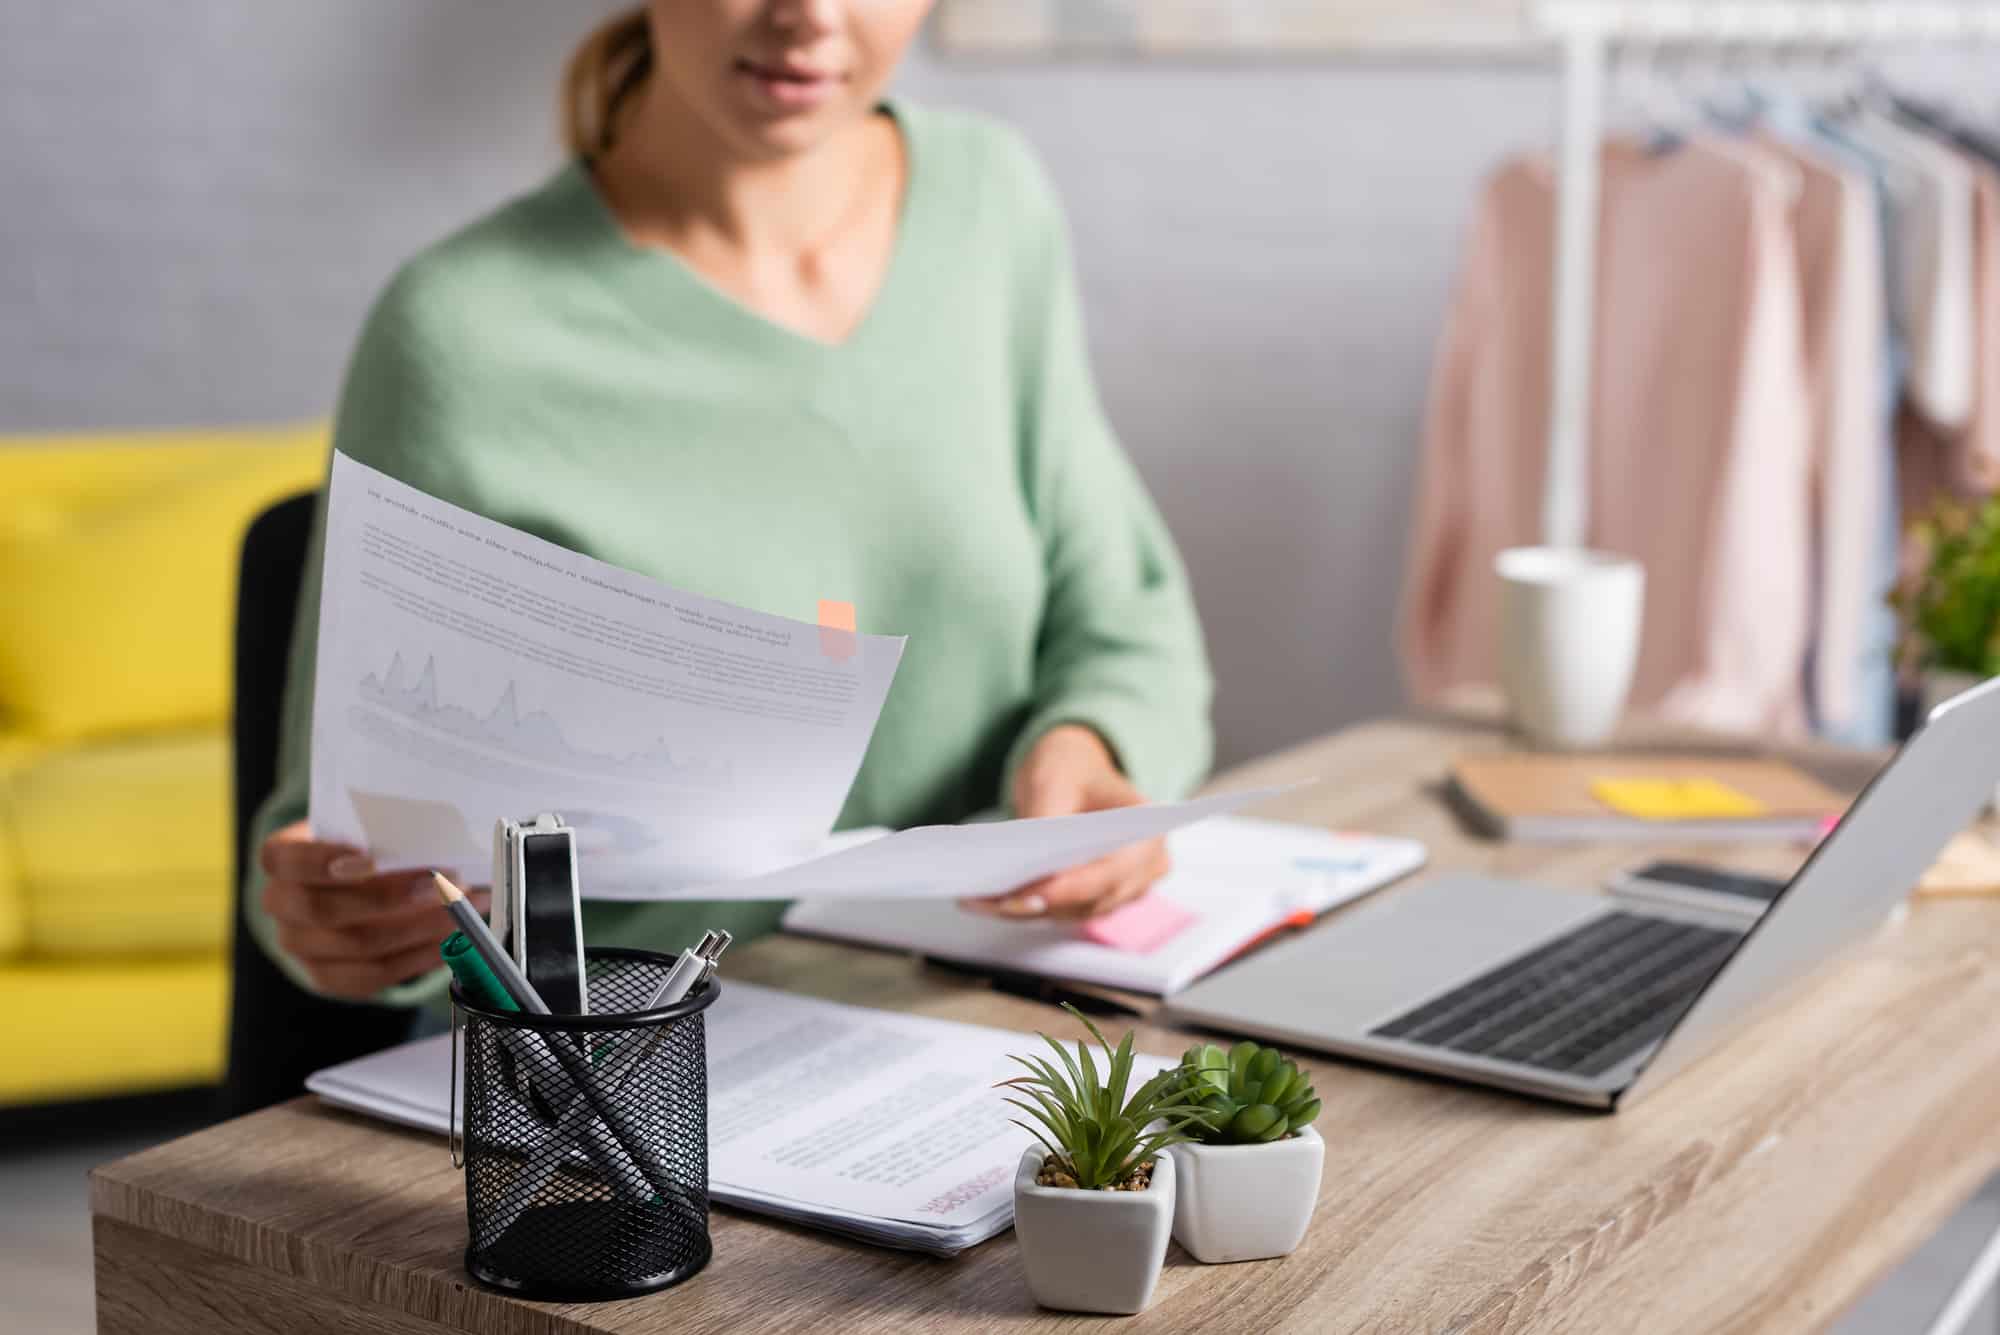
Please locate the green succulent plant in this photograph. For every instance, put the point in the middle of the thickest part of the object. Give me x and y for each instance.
(1248, 1095)
(1949, 599)
(1099, 1135)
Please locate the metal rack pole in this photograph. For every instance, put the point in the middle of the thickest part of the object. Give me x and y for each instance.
(1565, 498)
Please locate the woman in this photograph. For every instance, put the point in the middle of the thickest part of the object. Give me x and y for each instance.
(772, 340)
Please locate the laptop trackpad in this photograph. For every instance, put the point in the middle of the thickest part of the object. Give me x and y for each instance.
(1391, 954)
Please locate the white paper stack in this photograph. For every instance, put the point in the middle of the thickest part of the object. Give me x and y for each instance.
(877, 1125)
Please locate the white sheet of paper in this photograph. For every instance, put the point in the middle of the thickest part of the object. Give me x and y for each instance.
(469, 671)
(1237, 876)
(875, 1123)
(983, 858)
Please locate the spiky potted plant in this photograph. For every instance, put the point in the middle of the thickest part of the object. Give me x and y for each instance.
(1247, 1181)
(1094, 1200)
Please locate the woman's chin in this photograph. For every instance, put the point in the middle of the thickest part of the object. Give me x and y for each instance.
(785, 140)
(771, 130)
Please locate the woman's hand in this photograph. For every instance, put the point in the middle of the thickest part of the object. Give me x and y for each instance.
(356, 930)
(1071, 770)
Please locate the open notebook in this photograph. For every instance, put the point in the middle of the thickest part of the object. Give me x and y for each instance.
(874, 1124)
(1233, 881)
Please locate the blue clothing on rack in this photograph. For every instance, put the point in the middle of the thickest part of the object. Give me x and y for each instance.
(1870, 717)
(1872, 721)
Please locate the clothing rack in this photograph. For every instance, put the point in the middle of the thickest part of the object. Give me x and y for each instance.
(1587, 30)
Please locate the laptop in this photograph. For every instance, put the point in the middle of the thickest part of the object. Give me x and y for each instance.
(1581, 998)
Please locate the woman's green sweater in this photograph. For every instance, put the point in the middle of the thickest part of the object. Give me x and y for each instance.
(947, 469)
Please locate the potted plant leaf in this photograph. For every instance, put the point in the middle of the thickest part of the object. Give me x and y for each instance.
(1094, 1200)
(1247, 1182)
(1948, 601)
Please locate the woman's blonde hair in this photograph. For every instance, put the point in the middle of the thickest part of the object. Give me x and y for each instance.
(598, 83)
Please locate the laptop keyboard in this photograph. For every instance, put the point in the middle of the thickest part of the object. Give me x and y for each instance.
(1580, 1004)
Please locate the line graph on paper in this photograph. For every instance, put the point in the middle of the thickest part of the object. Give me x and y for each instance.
(534, 735)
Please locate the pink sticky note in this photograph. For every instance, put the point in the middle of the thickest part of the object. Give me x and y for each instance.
(1142, 926)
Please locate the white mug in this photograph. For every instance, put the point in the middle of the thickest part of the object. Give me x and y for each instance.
(1569, 640)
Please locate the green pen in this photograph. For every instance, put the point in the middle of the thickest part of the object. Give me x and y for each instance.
(479, 938)
(475, 978)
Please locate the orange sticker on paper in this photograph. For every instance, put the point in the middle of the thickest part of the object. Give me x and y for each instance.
(836, 629)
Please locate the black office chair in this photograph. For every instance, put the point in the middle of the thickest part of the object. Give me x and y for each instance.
(278, 1032)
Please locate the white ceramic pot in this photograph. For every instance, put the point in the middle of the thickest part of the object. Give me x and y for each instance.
(1569, 641)
(1243, 1202)
(1092, 1251)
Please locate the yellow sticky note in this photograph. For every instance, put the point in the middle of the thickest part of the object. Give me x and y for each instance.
(1675, 799)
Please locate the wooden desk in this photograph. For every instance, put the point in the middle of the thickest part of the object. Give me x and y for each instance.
(1762, 1190)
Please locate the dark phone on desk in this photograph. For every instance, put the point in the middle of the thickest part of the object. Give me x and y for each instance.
(1694, 885)
(551, 921)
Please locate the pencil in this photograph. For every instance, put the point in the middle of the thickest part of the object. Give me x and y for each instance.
(481, 937)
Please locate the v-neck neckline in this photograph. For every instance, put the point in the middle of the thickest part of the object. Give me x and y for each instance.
(668, 273)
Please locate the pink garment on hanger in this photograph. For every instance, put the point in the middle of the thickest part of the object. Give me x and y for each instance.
(1843, 291)
(1980, 468)
(1700, 436)
(1933, 462)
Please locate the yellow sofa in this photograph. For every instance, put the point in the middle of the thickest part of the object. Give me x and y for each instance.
(117, 598)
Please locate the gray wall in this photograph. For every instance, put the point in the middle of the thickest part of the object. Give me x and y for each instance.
(198, 200)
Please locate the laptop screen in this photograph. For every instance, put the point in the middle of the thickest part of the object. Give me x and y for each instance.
(1929, 791)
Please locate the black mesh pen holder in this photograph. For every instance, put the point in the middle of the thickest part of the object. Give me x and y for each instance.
(585, 1138)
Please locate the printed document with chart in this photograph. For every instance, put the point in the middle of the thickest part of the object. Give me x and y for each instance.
(466, 667)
